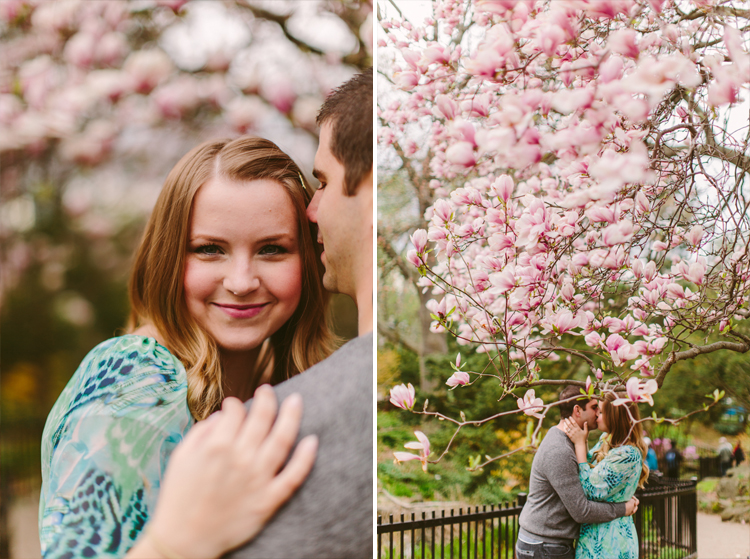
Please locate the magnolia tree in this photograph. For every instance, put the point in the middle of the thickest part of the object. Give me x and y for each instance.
(130, 86)
(589, 165)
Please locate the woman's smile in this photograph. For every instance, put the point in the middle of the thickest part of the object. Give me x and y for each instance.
(241, 311)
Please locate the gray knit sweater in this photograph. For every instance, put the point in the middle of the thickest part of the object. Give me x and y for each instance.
(556, 505)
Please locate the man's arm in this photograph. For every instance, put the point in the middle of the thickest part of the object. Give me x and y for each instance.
(568, 487)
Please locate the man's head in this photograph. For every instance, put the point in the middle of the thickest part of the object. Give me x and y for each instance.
(342, 206)
(583, 410)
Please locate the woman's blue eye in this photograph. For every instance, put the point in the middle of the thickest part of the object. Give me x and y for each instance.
(272, 250)
(208, 249)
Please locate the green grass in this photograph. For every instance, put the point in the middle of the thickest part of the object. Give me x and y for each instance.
(502, 536)
(707, 485)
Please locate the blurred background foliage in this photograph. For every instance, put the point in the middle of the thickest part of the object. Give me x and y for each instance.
(98, 100)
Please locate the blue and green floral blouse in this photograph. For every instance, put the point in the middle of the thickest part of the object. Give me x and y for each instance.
(106, 445)
(613, 480)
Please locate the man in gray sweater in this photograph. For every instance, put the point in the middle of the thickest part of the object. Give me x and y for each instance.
(331, 516)
(556, 505)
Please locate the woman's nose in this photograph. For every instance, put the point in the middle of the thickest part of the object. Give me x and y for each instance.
(241, 279)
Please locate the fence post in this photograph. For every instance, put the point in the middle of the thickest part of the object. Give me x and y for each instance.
(522, 499)
(693, 518)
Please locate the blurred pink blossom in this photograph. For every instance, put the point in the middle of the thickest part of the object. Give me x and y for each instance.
(531, 405)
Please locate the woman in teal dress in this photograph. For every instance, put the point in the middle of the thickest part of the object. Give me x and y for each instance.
(611, 472)
(226, 295)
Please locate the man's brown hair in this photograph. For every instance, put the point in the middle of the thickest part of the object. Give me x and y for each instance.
(349, 110)
(566, 408)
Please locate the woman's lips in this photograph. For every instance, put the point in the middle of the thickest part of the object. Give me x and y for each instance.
(241, 311)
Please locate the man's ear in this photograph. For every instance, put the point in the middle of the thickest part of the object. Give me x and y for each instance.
(577, 411)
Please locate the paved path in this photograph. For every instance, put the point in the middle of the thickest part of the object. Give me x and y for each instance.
(24, 528)
(722, 540)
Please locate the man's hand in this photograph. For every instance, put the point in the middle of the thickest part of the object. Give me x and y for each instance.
(631, 506)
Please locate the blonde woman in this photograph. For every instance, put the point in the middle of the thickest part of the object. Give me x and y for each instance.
(226, 295)
(611, 472)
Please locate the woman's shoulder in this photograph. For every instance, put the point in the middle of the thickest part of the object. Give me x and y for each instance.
(625, 453)
(127, 357)
(122, 372)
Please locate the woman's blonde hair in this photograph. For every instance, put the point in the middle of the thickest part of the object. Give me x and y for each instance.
(156, 283)
(619, 423)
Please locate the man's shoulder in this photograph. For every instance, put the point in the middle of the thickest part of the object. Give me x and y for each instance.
(349, 367)
(553, 439)
(331, 516)
(554, 446)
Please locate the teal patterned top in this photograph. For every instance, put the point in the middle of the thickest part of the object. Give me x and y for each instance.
(105, 448)
(613, 480)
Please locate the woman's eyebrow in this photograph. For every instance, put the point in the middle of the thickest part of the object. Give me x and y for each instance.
(206, 238)
(277, 237)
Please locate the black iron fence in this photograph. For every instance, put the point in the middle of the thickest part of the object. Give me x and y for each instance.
(488, 532)
(665, 523)
(666, 520)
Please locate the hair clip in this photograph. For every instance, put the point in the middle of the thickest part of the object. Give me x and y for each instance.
(301, 180)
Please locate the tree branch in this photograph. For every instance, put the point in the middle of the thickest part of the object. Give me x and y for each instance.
(405, 270)
(394, 337)
(693, 352)
(280, 20)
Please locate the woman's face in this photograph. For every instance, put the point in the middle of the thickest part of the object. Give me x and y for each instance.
(601, 424)
(243, 269)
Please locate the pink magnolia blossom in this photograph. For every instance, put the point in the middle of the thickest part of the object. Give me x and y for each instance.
(502, 188)
(436, 54)
(564, 321)
(623, 42)
(458, 378)
(531, 405)
(423, 446)
(695, 235)
(402, 396)
(447, 107)
(412, 257)
(148, 68)
(594, 340)
(419, 240)
(407, 80)
(442, 210)
(696, 273)
(461, 153)
(504, 281)
(638, 392)
(619, 349)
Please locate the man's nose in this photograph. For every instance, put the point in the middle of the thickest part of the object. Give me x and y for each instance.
(312, 207)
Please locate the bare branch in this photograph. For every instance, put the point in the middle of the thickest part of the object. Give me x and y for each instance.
(387, 247)
(396, 338)
(695, 352)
